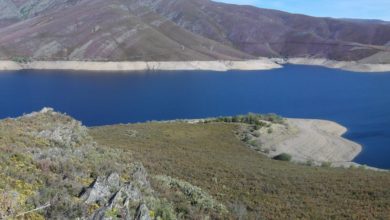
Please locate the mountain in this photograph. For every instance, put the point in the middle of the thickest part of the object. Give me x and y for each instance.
(162, 30)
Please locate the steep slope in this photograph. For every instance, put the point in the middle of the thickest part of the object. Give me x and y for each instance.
(101, 30)
(51, 168)
(179, 30)
(263, 32)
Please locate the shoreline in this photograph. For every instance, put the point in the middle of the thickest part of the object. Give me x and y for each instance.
(261, 63)
(320, 141)
(219, 65)
(352, 66)
(305, 140)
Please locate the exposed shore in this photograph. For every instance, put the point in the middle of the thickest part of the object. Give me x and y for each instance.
(260, 64)
(219, 65)
(320, 141)
(352, 66)
(307, 140)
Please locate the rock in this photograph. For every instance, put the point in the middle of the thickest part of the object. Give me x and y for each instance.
(132, 192)
(125, 199)
(58, 128)
(102, 189)
(125, 194)
(142, 213)
(140, 176)
(113, 180)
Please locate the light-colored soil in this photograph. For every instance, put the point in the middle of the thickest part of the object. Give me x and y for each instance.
(307, 140)
(260, 64)
(361, 66)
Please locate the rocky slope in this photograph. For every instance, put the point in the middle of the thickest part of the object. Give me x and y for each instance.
(51, 168)
(166, 30)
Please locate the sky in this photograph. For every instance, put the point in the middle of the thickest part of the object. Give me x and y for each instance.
(364, 9)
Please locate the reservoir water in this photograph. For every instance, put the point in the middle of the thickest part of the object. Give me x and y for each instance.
(359, 101)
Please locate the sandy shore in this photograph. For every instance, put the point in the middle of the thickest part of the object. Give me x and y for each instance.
(318, 140)
(260, 64)
(306, 140)
(344, 65)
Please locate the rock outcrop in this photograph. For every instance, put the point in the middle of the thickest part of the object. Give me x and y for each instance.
(56, 127)
(120, 199)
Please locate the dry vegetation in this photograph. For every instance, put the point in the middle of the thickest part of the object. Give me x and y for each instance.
(51, 168)
(196, 171)
(209, 155)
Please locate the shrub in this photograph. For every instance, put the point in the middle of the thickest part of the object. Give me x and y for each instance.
(21, 59)
(164, 210)
(256, 134)
(283, 157)
(253, 143)
(239, 210)
(310, 163)
(326, 164)
(247, 138)
(257, 120)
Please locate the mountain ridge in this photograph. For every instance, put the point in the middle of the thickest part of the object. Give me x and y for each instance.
(186, 30)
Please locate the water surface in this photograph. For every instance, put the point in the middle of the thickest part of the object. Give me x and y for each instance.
(359, 101)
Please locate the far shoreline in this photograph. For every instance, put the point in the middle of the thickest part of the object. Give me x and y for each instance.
(261, 63)
(218, 65)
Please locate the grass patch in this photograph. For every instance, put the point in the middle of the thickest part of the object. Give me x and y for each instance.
(211, 157)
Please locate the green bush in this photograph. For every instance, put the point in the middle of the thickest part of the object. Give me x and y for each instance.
(326, 164)
(21, 59)
(257, 120)
(283, 157)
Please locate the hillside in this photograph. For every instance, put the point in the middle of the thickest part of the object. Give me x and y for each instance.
(171, 30)
(251, 185)
(51, 168)
(55, 168)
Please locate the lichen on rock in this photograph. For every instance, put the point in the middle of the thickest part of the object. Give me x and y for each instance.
(123, 199)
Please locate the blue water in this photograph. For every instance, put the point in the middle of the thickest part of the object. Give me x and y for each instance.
(361, 102)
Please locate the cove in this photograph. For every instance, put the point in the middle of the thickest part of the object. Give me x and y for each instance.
(359, 101)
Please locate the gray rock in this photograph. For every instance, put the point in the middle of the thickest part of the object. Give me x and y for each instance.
(124, 198)
(126, 193)
(102, 189)
(140, 176)
(142, 213)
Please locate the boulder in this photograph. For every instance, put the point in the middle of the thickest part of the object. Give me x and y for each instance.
(102, 189)
(124, 199)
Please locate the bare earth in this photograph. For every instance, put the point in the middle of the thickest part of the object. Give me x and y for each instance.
(259, 64)
(307, 140)
(354, 66)
(319, 140)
